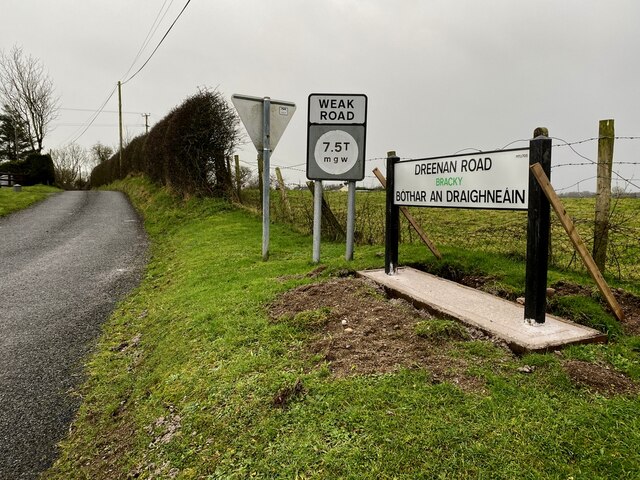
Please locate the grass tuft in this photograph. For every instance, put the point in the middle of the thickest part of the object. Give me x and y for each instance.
(312, 319)
(586, 311)
(441, 330)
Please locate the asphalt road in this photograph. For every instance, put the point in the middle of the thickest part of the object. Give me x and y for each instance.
(63, 265)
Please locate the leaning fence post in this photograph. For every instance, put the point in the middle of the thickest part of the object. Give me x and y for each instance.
(412, 221)
(392, 219)
(577, 241)
(538, 225)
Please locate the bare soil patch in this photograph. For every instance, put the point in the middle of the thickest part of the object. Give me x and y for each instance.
(630, 305)
(599, 378)
(359, 331)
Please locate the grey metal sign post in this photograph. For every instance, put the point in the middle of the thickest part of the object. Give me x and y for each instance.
(265, 121)
(266, 157)
(336, 141)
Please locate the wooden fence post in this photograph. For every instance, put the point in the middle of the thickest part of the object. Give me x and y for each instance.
(412, 221)
(283, 195)
(575, 238)
(236, 159)
(330, 220)
(228, 181)
(603, 196)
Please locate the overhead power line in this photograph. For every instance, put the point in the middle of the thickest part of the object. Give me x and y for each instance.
(93, 110)
(152, 30)
(150, 33)
(159, 43)
(92, 118)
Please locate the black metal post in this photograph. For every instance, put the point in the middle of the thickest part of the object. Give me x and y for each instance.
(392, 220)
(538, 231)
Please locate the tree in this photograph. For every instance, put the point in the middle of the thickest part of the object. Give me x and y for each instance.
(70, 164)
(100, 153)
(14, 142)
(35, 168)
(246, 178)
(198, 138)
(27, 90)
(186, 150)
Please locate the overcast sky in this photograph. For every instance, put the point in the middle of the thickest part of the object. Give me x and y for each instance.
(440, 75)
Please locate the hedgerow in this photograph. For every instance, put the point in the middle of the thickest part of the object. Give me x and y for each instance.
(186, 150)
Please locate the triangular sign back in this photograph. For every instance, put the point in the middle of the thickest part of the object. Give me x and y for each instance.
(250, 111)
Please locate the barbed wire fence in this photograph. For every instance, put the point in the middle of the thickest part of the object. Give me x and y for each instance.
(492, 232)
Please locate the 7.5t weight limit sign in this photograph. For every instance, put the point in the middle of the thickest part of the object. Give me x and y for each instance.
(336, 137)
(336, 152)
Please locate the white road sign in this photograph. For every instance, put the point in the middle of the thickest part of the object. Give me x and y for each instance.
(250, 111)
(490, 180)
(336, 152)
(337, 109)
(336, 136)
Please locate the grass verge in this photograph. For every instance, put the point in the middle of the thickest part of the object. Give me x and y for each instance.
(183, 381)
(11, 201)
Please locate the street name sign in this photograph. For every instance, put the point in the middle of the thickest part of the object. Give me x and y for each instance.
(485, 180)
(336, 136)
(501, 179)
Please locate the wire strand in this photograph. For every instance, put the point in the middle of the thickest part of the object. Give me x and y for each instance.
(93, 110)
(92, 118)
(159, 43)
(150, 33)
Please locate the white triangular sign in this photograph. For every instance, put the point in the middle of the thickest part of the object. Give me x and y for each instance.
(250, 111)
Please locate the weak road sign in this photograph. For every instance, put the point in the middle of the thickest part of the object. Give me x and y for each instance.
(336, 136)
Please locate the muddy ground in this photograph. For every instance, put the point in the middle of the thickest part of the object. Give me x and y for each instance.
(358, 331)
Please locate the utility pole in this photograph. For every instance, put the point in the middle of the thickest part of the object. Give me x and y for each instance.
(146, 122)
(120, 126)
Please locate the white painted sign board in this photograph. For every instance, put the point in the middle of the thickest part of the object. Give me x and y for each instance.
(336, 136)
(337, 109)
(488, 180)
(250, 111)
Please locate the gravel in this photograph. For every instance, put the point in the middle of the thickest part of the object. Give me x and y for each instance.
(63, 266)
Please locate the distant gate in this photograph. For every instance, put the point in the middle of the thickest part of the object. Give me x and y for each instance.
(8, 179)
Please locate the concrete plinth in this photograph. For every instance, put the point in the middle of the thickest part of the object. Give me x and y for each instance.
(495, 316)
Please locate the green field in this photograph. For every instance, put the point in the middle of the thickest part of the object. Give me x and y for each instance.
(189, 374)
(11, 201)
(488, 231)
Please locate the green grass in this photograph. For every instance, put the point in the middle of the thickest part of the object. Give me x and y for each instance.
(11, 201)
(492, 232)
(184, 376)
(437, 329)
